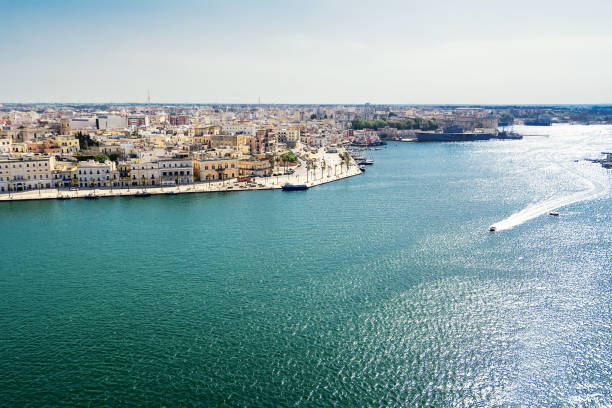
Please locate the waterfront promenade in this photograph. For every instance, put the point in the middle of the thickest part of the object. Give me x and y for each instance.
(334, 170)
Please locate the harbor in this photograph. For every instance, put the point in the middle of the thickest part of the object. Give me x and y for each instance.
(335, 168)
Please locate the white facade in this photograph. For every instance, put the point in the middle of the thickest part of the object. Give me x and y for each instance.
(94, 174)
(245, 128)
(82, 123)
(175, 171)
(25, 172)
(5, 145)
(111, 122)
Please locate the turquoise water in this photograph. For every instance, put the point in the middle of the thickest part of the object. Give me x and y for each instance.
(385, 289)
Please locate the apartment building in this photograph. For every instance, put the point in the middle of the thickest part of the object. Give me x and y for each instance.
(175, 170)
(91, 173)
(25, 172)
(243, 128)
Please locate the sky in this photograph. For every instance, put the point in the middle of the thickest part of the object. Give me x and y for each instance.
(316, 51)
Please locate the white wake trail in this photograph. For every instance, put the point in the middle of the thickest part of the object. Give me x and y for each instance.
(595, 190)
(544, 207)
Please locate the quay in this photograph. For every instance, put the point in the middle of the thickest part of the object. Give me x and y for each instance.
(311, 177)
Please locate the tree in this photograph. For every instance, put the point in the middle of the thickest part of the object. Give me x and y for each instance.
(85, 141)
(347, 159)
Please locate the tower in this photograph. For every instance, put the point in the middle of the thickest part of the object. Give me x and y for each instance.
(65, 127)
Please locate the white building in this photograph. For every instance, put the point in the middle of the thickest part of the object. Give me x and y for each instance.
(83, 123)
(25, 172)
(234, 128)
(111, 122)
(5, 144)
(91, 173)
(175, 170)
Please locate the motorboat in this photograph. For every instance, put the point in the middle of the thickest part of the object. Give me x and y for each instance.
(92, 197)
(142, 194)
(553, 213)
(492, 228)
(362, 167)
(63, 197)
(367, 162)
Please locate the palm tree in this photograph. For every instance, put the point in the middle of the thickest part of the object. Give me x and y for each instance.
(347, 159)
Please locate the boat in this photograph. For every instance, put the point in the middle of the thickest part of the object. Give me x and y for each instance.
(366, 162)
(63, 197)
(92, 197)
(362, 167)
(142, 194)
(492, 228)
(294, 187)
(504, 134)
(553, 213)
(170, 193)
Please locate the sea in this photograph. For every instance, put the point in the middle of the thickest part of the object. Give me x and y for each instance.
(385, 289)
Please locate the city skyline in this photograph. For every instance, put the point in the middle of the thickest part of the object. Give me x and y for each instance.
(307, 53)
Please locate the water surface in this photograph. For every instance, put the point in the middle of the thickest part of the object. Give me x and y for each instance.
(384, 289)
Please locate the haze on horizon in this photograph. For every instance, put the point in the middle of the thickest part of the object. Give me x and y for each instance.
(401, 52)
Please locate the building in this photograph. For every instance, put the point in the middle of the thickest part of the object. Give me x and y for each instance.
(289, 136)
(175, 170)
(263, 142)
(44, 146)
(26, 172)
(67, 144)
(5, 144)
(65, 174)
(179, 120)
(91, 173)
(254, 167)
(142, 173)
(242, 128)
(111, 122)
(82, 123)
(65, 127)
(137, 120)
(215, 168)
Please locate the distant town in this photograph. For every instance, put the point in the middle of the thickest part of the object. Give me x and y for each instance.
(67, 147)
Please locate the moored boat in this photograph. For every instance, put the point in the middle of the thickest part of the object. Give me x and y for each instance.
(63, 197)
(92, 197)
(142, 194)
(294, 187)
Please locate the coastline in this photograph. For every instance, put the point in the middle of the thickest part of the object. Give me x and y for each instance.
(231, 185)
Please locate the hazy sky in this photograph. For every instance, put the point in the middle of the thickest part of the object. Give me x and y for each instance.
(345, 51)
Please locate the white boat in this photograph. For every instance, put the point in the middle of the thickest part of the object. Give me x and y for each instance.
(492, 228)
(553, 213)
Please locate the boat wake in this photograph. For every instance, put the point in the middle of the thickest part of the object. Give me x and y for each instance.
(594, 190)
